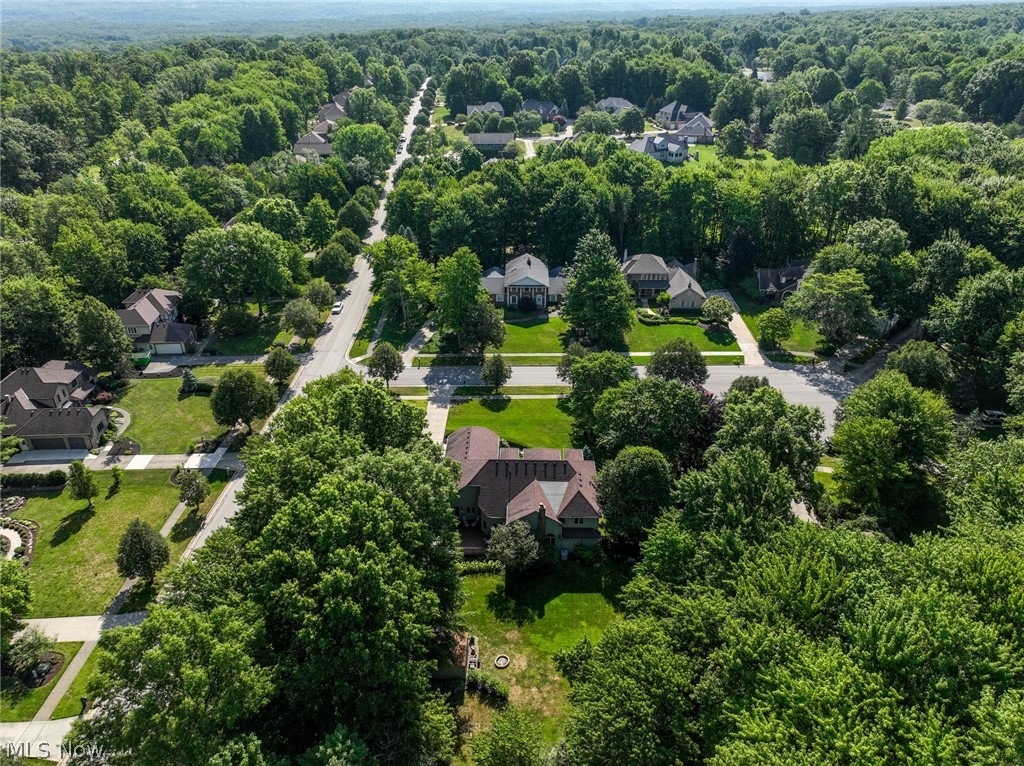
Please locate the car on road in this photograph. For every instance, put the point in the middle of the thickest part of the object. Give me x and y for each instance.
(336, 308)
(993, 417)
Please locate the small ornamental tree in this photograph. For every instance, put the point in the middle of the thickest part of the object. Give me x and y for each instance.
(242, 395)
(301, 316)
(718, 310)
(679, 359)
(514, 546)
(385, 362)
(280, 364)
(188, 381)
(775, 326)
(82, 482)
(496, 371)
(28, 648)
(142, 552)
(116, 476)
(193, 488)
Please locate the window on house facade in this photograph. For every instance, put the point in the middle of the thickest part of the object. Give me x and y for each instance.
(577, 520)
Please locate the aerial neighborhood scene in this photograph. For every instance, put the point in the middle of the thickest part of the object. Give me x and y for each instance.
(580, 384)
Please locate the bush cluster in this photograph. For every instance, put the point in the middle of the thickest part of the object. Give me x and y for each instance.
(480, 567)
(24, 480)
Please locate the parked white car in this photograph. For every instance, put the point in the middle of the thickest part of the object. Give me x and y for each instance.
(336, 308)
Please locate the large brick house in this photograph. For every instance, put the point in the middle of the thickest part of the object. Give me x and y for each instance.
(649, 275)
(551, 490)
(45, 407)
(525, 282)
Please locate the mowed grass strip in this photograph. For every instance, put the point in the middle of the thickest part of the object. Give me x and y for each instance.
(392, 332)
(71, 703)
(73, 570)
(19, 702)
(521, 422)
(529, 622)
(165, 422)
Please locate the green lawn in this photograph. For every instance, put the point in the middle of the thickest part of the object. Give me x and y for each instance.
(73, 570)
(530, 622)
(441, 113)
(71, 703)
(644, 337)
(522, 422)
(165, 422)
(805, 337)
(393, 331)
(181, 534)
(545, 334)
(20, 703)
(257, 342)
(511, 390)
(709, 153)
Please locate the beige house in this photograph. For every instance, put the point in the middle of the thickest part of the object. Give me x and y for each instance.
(151, 319)
(525, 282)
(550, 490)
(649, 276)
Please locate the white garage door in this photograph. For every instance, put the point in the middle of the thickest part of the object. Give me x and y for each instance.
(167, 348)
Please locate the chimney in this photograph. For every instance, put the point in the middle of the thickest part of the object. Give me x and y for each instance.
(542, 522)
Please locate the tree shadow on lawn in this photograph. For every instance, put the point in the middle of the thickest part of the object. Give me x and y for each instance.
(71, 525)
(524, 599)
(496, 405)
(721, 336)
(186, 527)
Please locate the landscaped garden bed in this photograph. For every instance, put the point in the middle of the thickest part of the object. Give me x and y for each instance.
(22, 696)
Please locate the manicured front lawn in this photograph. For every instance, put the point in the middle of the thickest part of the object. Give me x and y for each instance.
(511, 390)
(71, 703)
(20, 703)
(541, 335)
(181, 534)
(643, 337)
(805, 337)
(531, 621)
(393, 332)
(165, 422)
(522, 422)
(73, 571)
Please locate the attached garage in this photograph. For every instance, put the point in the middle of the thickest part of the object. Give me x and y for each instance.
(45, 442)
(168, 348)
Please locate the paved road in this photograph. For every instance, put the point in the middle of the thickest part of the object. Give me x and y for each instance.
(800, 384)
(330, 351)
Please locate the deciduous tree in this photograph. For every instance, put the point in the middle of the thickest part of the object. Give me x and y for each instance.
(598, 302)
(633, 488)
(679, 359)
(385, 362)
(242, 395)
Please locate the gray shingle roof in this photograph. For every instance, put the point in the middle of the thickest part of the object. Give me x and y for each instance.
(71, 421)
(526, 267)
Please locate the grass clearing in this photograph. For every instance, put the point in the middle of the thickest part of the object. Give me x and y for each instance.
(71, 703)
(266, 333)
(805, 337)
(529, 623)
(705, 154)
(392, 332)
(19, 702)
(73, 571)
(165, 422)
(521, 422)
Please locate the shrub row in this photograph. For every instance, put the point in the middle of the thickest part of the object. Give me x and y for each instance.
(50, 479)
(480, 567)
(487, 685)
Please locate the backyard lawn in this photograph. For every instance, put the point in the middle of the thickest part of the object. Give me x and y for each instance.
(540, 616)
(805, 336)
(73, 570)
(20, 703)
(709, 153)
(521, 422)
(165, 422)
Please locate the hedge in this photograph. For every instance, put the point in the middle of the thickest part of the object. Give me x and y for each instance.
(26, 480)
(480, 567)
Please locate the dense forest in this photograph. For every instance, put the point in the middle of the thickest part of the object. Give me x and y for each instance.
(307, 632)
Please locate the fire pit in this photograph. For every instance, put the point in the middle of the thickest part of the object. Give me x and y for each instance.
(501, 661)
